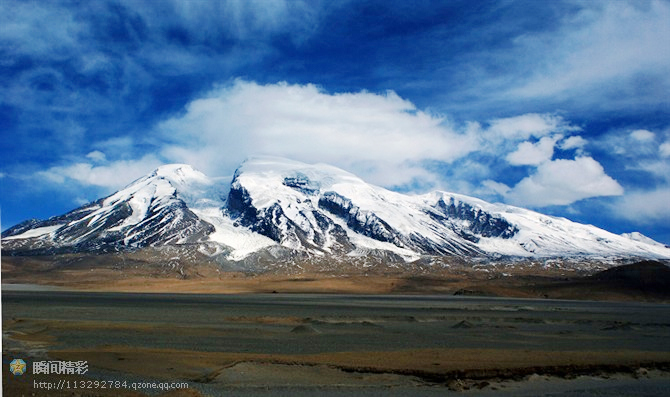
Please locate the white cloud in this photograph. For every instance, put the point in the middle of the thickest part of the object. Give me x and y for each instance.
(658, 168)
(96, 156)
(527, 125)
(643, 135)
(664, 149)
(496, 187)
(79, 201)
(2, 175)
(381, 137)
(562, 182)
(634, 145)
(639, 151)
(573, 142)
(644, 206)
(528, 153)
(302, 122)
(112, 176)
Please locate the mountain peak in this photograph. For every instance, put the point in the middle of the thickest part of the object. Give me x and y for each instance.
(637, 236)
(171, 169)
(269, 175)
(178, 174)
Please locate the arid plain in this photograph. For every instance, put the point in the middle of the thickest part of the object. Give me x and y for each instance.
(364, 334)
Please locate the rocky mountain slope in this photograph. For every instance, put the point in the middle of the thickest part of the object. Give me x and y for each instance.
(280, 210)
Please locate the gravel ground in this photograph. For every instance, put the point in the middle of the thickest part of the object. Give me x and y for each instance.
(306, 344)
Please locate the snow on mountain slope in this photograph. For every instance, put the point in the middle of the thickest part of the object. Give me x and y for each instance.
(637, 236)
(329, 210)
(36, 232)
(147, 212)
(314, 210)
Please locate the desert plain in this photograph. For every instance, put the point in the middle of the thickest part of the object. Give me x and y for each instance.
(364, 334)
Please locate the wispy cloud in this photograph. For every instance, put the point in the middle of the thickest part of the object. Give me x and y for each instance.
(644, 154)
(590, 58)
(644, 206)
(664, 149)
(528, 125)
(110, 176)
(606, 47)
(640, 150)
(87, 72)
(96, 156)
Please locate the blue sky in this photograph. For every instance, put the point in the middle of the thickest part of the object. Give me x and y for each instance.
(559, 106)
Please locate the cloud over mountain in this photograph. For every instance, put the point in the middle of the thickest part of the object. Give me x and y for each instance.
(381, 135)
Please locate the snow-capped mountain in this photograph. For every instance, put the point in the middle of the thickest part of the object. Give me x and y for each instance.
(284, 208)
(147, 212)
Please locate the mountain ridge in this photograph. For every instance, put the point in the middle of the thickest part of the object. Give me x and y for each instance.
(282, 209)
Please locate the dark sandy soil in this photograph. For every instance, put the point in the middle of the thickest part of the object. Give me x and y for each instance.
(306, 344)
